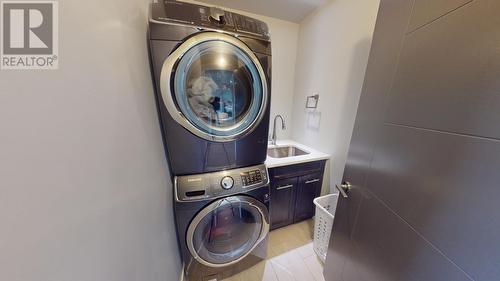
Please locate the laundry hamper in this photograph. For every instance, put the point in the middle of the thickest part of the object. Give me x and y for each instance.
(323, 222)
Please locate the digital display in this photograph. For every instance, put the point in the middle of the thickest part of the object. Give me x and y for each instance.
(252, 177)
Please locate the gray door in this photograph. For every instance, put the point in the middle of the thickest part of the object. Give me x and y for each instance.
(424, 160)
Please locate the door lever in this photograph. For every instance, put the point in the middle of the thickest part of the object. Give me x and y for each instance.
(344, 188)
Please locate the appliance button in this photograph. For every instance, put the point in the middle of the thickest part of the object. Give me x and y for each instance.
(227, 182)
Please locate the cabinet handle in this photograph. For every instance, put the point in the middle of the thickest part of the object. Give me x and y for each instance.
(311, 181)
(284, 186)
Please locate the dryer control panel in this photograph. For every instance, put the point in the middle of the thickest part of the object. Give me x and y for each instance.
(219, 184)
(190, 14)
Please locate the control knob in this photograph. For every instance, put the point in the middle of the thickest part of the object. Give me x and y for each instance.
(227, 182)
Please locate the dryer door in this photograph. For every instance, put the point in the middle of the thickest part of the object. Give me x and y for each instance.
(227, 230)
(214, 86)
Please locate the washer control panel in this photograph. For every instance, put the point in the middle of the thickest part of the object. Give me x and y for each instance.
(251, 177)
(219, 184)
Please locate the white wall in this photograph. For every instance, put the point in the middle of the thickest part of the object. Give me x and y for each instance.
(333, 48)
(284, 39)
(84, 188)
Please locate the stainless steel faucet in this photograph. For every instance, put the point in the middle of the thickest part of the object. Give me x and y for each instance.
(283, 127)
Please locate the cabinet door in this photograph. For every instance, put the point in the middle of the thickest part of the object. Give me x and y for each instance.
(282, 202)
(309, 187)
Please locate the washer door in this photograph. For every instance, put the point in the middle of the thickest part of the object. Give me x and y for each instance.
(227, 230)
(214, 86)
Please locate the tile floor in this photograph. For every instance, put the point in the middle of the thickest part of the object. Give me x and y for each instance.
(290, 257)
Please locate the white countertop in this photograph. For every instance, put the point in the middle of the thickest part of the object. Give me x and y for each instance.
(314, 155)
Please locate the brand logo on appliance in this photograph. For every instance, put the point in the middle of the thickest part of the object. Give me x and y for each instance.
(29, 35)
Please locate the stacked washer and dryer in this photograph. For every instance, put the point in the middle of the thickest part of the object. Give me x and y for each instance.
(212, 73)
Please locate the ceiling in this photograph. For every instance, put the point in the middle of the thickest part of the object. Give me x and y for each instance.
(290, 10)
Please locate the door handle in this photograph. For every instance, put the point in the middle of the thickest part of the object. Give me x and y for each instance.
(344, 188)
(311, 181)
(284, 186)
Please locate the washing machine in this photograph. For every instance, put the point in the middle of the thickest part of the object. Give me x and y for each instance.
(212, 76)
(222, 221)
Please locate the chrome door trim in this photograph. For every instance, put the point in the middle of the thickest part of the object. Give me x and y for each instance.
(168, 70)
(210, 208)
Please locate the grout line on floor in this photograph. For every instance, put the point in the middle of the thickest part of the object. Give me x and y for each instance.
(274, 271)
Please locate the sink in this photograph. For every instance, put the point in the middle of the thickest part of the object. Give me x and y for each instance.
(285, 151)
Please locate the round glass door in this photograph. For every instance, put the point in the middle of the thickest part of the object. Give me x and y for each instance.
(218, 85)
(227, 231)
